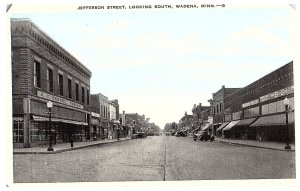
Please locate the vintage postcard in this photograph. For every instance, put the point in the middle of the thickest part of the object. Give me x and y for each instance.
(145, 93)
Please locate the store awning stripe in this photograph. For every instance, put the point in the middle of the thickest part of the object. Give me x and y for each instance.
(230, 125)
(245, 121)
(274, 120)
(38, 118)
(222, 126)
(205, 127)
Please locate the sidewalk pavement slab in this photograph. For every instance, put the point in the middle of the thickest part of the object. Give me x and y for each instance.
(62, 147)
(257, 144)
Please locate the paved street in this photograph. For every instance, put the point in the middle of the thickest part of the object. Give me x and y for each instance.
(155, 158)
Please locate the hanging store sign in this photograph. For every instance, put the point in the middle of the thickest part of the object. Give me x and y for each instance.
(58, 99)
(95, 114)
(279, 93)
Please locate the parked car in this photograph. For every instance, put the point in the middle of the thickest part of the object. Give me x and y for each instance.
(203, 136)
(181, 134)
(139, 135)
(167, 133)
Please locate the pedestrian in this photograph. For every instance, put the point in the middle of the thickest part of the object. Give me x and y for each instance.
(71, 140)
(118, 132)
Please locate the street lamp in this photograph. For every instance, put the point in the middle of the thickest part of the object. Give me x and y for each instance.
(50, 105)
(286, 102)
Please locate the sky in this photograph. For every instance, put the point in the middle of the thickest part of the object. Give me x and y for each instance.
(161, 62)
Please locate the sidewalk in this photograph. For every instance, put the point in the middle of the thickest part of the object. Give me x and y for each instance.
(258, 144)
(62, 147)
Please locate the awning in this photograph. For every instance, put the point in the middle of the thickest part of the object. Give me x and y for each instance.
(222, 126)
(205, 127)
(245, 121)
(230, 125)
(274, 120)
(38, 118)
(198, 128)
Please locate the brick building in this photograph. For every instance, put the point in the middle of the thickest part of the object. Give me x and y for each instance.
(95, 118)
(43, 71)
(257, 111)
(219, 114)
(106, 130)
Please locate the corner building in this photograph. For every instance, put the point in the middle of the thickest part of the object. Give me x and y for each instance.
(43, 71)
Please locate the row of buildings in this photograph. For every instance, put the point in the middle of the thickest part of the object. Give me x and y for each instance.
(255, 112)
(43, 71)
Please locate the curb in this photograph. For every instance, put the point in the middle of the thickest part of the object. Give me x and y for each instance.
(256, 146)
(69, 149)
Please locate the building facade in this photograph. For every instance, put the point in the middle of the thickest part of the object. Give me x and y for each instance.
(220, 115)
(43, 71)
(105, 128)
(200, 115)
(258, 111)
(95, 118)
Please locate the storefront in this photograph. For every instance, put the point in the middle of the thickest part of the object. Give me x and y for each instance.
(273, 127)
(43, 71)
(32, 128)
(95, 123)
(226, 130)
(243, 130)
(104, 128)
(219, 130)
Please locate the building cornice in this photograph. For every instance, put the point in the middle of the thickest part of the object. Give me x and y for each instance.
(21, 27)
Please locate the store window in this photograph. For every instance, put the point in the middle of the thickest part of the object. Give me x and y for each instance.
(70, 87)
(61, 84)
(38, 132)
(227, 118)
(18, 135)
(276, 107)
(50, 79)
(251, 112)
(272, 108)
(265, 109)
(237, 115)
(37, 74)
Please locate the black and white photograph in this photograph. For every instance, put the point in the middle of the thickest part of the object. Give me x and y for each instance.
(151, 92)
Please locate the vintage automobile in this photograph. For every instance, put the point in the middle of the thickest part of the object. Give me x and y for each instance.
(139, 135)
(203, 136)
(181, 134)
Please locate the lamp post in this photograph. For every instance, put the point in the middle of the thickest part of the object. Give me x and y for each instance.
(49, 105)
(286, 103)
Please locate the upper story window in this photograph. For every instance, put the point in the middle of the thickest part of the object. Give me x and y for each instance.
(50, 79)
(70, 87)
(77, 92)
(88, 97)
(61, 84)
(37, 74)
(82, 94)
